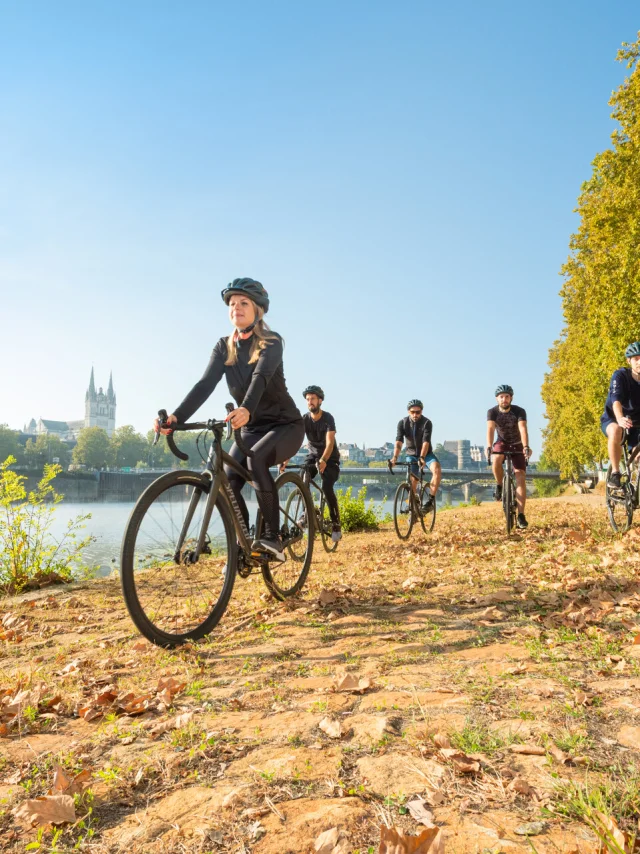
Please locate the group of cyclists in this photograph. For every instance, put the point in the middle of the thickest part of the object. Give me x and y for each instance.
(272, 427)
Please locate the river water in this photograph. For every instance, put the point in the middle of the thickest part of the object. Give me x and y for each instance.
(107, 524)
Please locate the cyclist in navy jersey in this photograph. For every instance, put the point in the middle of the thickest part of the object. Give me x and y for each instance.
(510, 424)
(416, 430)
(323, 457)
(250, 359)
(622, 410)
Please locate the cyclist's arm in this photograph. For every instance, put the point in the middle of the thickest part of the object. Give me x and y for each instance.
(621, 418)
(524, 435)
(397, 450)
(491, 432)
(266, 366)
(205, 386)
(426, 437)
(330, 442)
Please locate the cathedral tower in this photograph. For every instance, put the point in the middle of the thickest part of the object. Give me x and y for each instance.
(100, 408)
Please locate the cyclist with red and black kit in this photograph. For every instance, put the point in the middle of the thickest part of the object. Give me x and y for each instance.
(509, 424)
(271, 426)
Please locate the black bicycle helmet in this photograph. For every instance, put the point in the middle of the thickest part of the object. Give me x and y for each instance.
(249, 288)
(632, 350)
(504, 389)
(313, 389)
(415, 402)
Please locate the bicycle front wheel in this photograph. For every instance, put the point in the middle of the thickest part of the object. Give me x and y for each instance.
(428, 517)
(326, 528)
(297, 528)
(171, 596)
(403, 511)
(619, 503)
(509, 503)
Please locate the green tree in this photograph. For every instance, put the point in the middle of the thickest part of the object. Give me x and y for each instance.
(45, 449)
(600, 293)
(9, 444)
(126, 447)
(92, 449)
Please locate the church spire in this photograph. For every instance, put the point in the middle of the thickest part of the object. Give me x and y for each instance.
(111, 397)
(91, 391)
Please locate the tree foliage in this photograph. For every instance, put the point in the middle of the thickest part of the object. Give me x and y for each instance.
(602, 283)
(126, 447)
(45, 449)
(9, 444)
(92, 449)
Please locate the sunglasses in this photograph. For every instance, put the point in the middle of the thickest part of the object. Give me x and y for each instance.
(415, 411)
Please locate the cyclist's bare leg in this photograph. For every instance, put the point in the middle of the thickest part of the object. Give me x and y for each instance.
(496, 464)
(521, 490)
(614, 442)
(436, 477)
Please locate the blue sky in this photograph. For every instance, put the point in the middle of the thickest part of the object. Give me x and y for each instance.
(401, 177)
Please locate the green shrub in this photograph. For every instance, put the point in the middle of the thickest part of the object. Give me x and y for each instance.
(29, 555)
(358, 514)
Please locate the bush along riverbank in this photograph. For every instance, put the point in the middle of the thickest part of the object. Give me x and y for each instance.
(29, 555)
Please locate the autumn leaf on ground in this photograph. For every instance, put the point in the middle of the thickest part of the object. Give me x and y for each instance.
(332, 728)
(411, 583)
(65, 785)
(350, 682)
(461, 761)
(441, 740)
(327, 597)
(491, 614)
(393, 841)
(52, 809)
(332, 841)
(418, 810)
(612, 838)
(528, 749)
(168, 688)
(173, 723)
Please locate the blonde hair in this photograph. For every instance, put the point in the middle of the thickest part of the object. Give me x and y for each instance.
(260, 339)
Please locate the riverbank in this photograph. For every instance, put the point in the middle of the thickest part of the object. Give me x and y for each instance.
(493, 681)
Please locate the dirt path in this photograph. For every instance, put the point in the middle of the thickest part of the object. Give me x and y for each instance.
(490, 684)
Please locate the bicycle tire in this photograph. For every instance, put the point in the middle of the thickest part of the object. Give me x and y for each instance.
(508, 502)
(619, 507)
(198, 591)
(298, 562)
(325, 528)
(428, 518)
(403, 499)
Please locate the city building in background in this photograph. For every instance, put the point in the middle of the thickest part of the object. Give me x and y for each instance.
(99, 411)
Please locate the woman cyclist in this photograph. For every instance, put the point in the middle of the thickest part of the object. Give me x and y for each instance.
(271, 426)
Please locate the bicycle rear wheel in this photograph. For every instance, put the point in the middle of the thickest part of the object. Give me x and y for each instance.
(297, 529)
(325, 527)
(427, 518)
(170, 598)
(619, 503)
(403, 511)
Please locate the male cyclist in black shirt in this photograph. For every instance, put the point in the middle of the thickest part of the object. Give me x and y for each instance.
(320, 429)
(510, 424)
(622, 410)
(416, 429)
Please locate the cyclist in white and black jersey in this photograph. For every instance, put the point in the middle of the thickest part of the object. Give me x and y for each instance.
(416, 430)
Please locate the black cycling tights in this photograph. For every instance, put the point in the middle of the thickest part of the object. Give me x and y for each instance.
(270, 448)
(329, 476)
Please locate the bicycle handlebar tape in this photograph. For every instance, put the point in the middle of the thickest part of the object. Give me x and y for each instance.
(174, 448)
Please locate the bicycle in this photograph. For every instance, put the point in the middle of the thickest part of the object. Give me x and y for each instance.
(186, 540)
(323, 524)
(408, 505)
(509, 500)
(623, 500)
